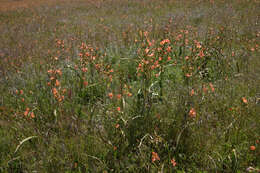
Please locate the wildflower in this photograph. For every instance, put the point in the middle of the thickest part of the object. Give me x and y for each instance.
(188, 75)
(117, 126)
(50, 71)
(201, 54)
(85, 83)
(26, 112)
(59, 72)
(198, 45)
(155, 157)
(169, 58)
(118, 96)
(84, 69)
(146, 50)
(145, 33)
(192, 113)
(16, 92)
(192, 92)
(129, 94)
(164, 41)
(61, 98)
(32, 115)
(64, 90)
(186, 41)
(252, 148)
(212, 87)
(173, 162)
(55, 92)
(151, 55)
(110, 95)
(57, 83)
(21, 92)
(169, 49)
(244, 100)
(118, 109)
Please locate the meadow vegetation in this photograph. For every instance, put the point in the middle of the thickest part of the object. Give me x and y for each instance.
(130, 86)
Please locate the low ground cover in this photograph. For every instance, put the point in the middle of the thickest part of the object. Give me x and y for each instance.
(130, 86)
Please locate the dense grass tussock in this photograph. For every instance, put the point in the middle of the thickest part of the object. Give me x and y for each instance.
(130, 86)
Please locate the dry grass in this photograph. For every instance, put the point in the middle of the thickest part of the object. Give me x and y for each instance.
(129, 86)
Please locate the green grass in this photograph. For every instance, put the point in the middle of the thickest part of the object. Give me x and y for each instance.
(130, 86)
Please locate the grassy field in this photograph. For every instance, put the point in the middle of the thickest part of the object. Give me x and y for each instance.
(129, 86)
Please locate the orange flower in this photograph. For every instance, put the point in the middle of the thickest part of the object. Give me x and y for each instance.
(84, 69)
(212, 87)
(188, 75)
(59, 72)
(198, 45)
(146, 50)
(252, 148)
(57, 83)
(173, 162)
(169, 49)
(155, 157)
(164, 41)
(32, 115)
(192, 113)
(151, 55)
(64, 90)
(55, 92)
(21, 92)
(110, 95)
(118, 109)
(85, 83)
(129, 94)
(201, 54)
(244, 100)
(26, 112)
(117, 126)
(118, 96)
(50, 71)
(192, 92)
